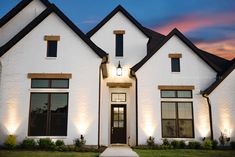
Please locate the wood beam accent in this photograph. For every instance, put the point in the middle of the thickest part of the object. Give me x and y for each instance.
(176, 87)
(175, 55)
(119, 32)
(52, 38)
(119, 85)
(104, 70)
(49, 75)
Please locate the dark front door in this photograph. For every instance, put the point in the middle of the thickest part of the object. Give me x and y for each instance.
(118, 124)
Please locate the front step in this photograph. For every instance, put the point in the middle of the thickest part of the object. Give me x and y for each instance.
(119, 151)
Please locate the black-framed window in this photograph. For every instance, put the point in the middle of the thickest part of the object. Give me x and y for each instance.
(175, 64)
(118, 97)
(48, 114)
(119, 45)
(50, 83)
(51, 48)
(176, 94)
(177, 120)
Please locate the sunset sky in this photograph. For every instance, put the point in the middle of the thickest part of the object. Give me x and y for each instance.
(210, 24)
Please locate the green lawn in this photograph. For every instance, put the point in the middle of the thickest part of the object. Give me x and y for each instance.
(142, 153)
(185, 153)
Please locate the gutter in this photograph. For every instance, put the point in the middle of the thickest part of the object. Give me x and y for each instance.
(210, 114)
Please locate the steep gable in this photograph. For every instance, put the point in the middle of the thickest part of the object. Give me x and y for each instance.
(51, 9)
(210, 59)
(113, 13)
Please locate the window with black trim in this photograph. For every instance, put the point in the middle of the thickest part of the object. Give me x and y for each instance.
(49, 83)
(175, 64)
(119, 45)
(177, 120)
(176, 94)
(51, 48)
(48, 114)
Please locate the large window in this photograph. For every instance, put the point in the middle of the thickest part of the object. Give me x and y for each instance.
(48, 114)
(177, 120)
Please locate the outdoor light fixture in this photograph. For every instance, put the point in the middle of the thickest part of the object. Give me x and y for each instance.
(119, 69)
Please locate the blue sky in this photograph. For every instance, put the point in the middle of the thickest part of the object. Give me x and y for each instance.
(210, 24)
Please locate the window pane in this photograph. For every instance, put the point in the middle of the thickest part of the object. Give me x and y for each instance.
(184, 94)
(59, 111)
(175, 64)
(121, 116)
(168, 110)
(185, 128)
(121, 124)
(119, 45)
(115, 124)
(38, 115)
(115, 116)
(35, 83)
(51, 48)
(59, 83)
(168, 128)
(184, 110)
(168, 94)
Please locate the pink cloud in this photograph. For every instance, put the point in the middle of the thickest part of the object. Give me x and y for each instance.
(224, 48)
(196, 21)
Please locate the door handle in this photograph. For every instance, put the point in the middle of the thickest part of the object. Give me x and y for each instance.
(112, 130)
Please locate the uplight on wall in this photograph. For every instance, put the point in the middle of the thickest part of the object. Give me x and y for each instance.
(119, 69)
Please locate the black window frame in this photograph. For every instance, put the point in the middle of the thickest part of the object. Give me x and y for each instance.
(119, 45)
(176, 94)
(50, 83)
(177, 119)
(52, 46)
(48, 114)
(175, 64)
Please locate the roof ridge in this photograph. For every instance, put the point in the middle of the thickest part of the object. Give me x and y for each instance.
(14, 11)
(52, 8)
(110, 15)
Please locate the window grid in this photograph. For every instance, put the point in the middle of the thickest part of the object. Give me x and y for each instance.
(177, 119)
(50, 83)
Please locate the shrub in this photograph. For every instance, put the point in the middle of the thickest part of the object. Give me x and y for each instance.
(59, 143)
(207, 144)
(214, 144)
(46, 143)
(150, 141)
(175, 144)
(182, 144)
(10, 142)
(28, 143)
(194, 145)
(166, 142)
(232, 144)
(222, 139)
(79, 142)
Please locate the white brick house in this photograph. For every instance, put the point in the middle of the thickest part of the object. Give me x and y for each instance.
(57, 82)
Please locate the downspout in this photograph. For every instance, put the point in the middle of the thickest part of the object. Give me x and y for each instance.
(210, 114)
(104, 61)
(136, 107)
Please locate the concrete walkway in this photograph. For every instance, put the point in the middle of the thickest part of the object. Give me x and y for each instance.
(119, 151)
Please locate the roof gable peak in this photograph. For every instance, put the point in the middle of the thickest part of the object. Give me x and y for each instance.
(121, 9)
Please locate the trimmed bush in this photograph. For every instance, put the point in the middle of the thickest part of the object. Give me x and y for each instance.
(182, 144)
(232, 144)
(46, 143)
(10, 142)
(175, 144)
(150, 141)
(59, 143)
(207, 144)
(214, 144)
(166, 142)
(194, 145)
(28, 143)
(79, 142)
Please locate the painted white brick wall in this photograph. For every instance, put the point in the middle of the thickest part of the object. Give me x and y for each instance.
(223, 107)
(17, 23)
(157, 71)
(29, 56)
